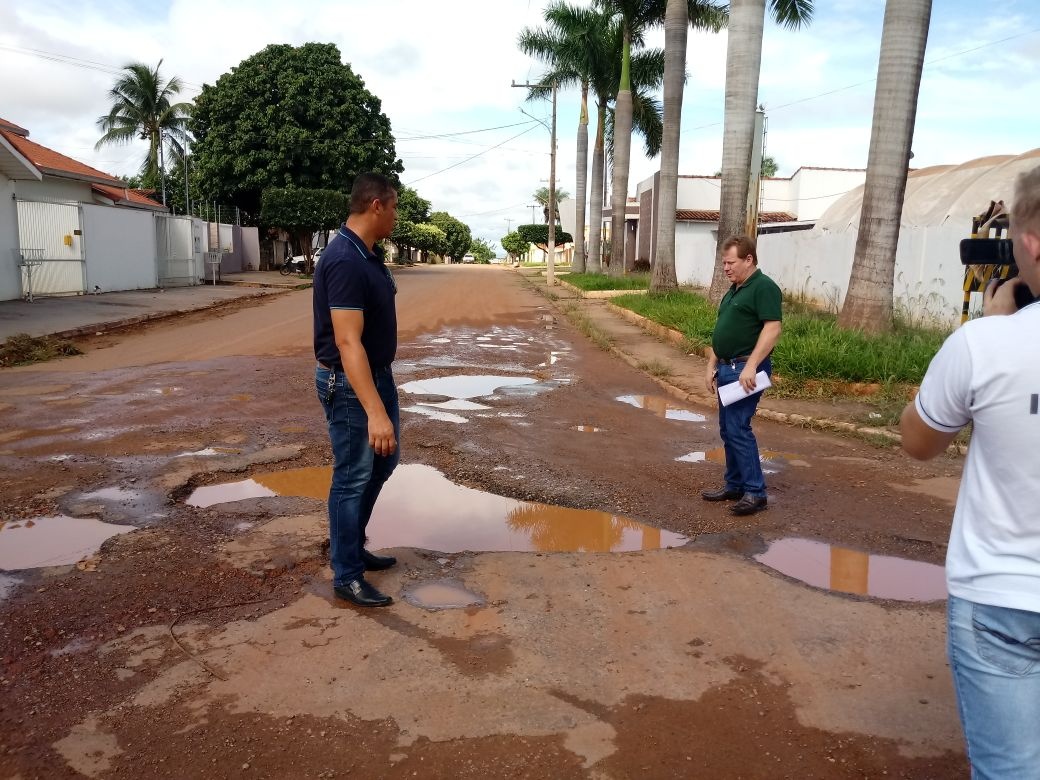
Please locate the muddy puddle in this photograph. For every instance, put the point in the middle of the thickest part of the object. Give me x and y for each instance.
(419, 507)
(662, 407)
(442, 594)
(52, 541)
(771, 460)
(465, 387)
(840, 569)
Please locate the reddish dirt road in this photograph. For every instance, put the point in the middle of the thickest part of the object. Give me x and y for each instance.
(206, 642)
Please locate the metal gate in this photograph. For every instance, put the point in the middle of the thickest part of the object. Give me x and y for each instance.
(175, 250)
(50, 248)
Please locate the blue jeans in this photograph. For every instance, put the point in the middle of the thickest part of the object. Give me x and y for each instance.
(743, 465)
(358, 473)
(995, 659)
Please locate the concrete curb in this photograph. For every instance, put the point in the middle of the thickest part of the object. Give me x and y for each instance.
(598, 293)
(115, 325)
(788, 418)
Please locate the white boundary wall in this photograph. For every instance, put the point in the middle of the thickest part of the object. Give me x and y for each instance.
(120, 248)
(929, 277)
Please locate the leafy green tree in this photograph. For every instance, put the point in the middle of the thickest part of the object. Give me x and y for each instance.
(539, 236)
(411, 207)
(515, 244)
(289, 116)
(457, 234)
(302, 212)
(403, 238)
(481, 250)
(429, 238)
(142, 108)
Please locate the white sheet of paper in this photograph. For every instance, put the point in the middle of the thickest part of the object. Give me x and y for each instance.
(733, 392)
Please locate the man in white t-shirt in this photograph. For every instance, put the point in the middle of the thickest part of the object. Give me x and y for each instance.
(988, 374)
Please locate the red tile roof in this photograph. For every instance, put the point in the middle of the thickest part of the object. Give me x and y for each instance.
(54, 163)
(764, 217)
(50, 161)
(127, 195)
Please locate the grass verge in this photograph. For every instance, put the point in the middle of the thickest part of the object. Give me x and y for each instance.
(589, 282)
(23, 349)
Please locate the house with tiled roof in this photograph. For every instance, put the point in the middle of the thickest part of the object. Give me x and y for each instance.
(67, 228)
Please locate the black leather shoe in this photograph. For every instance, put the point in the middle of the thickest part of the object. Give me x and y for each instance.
(722, 494)
(748, 505)
(362, 593)
(375, 562)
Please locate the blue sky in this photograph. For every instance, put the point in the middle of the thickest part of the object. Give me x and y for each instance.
(447, 68)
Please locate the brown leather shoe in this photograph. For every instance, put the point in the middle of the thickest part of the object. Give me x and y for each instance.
(722, 494)
(748, 505)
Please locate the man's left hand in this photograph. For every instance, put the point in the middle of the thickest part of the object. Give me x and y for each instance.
(747, 377)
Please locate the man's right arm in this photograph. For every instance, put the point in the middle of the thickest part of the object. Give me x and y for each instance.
(710, 379)
(347, 324)
(942, 407)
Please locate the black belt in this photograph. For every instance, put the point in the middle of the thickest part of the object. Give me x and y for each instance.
(738, 359)
(337, 368)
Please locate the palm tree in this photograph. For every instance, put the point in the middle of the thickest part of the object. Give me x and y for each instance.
(541, 196)
(594, 60)
(743, 65)
(569, 47)
(142, 108)
(868, 302)
(676, 18)
(636, 17)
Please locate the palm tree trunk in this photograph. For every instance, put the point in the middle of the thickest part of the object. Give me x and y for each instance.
(622, 153)
(676, 22)
(868, 302)
(581, 185)
(743, 63)
(594, 264)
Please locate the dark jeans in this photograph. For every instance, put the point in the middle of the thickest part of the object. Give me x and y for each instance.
(358, 473)
(743, 464)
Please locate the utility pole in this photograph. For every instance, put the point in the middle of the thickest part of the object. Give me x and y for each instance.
(509, 225)
(550, 266)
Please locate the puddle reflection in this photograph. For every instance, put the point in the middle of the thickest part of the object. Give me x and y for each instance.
(852, 571)
(443, 594)
(770, 459)
(464, 386)
(662, 407)
(420, 507)
(52, 541)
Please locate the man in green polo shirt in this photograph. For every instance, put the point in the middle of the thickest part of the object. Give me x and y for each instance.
(746, 331)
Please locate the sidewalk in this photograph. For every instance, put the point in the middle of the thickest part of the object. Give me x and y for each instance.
(70, 316)
(655, 350)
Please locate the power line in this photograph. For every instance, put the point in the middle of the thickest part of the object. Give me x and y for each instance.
(463, 132)
(80, 63)
(478, 154)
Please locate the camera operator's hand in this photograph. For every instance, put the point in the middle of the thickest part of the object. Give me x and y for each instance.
(1000, 298)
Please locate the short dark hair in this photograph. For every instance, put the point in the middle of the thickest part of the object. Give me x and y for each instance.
(745, 246)
(367, 188)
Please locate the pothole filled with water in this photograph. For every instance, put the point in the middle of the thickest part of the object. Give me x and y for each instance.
(420, 507)
(662, 407)
(464, 386)
(840, 569)
(53, 541)
(442, 594)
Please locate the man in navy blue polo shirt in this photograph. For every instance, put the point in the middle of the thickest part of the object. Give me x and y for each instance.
(355, 339)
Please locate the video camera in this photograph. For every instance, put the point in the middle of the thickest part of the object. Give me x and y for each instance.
(996, 255)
